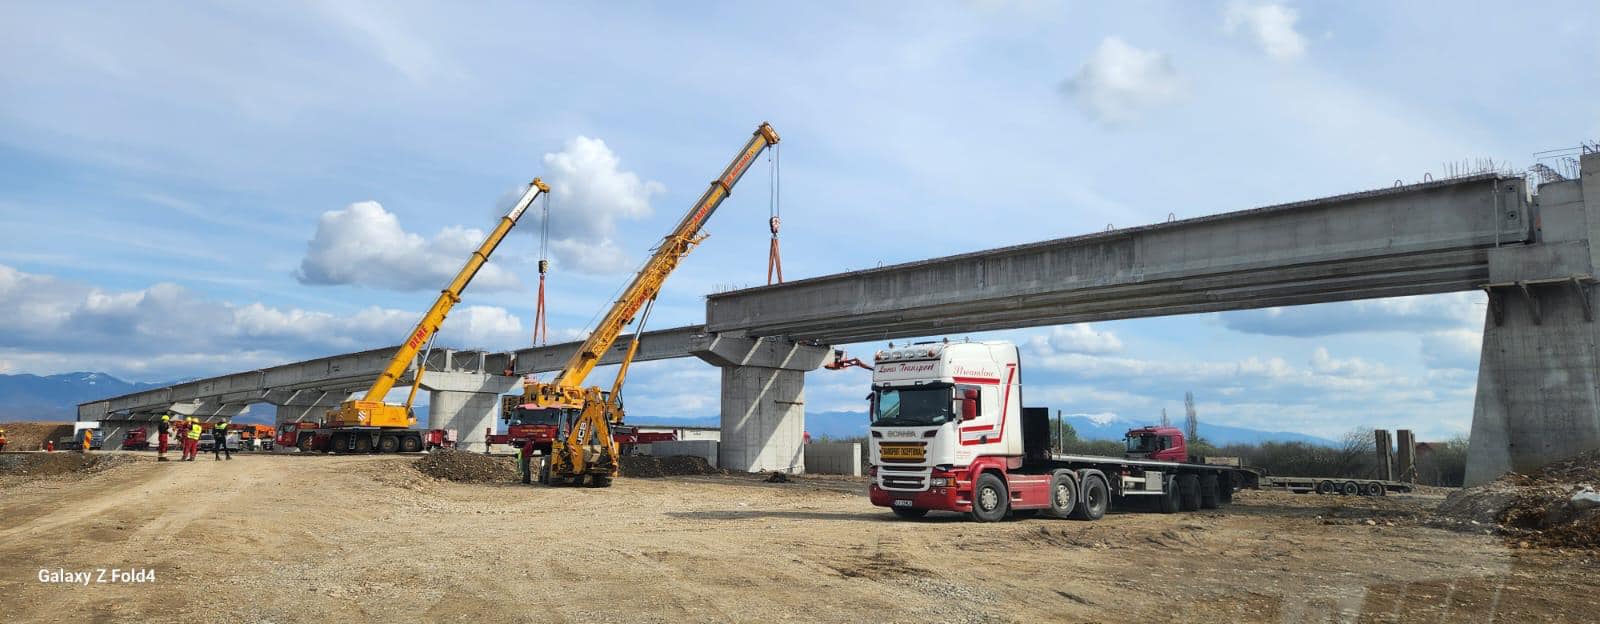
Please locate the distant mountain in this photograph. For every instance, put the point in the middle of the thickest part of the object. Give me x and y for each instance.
(1088, 426)
(56, 397)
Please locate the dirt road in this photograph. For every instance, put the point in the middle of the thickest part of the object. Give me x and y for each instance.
(354, 539)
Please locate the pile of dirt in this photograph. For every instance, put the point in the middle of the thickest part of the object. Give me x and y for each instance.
(30, 436)
(53, 464)
(468, 467)
(650, 466)
(1549, 507)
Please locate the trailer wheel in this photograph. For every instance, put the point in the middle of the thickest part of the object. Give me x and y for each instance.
(1189, 491)
(1375, 489)
(1063, 494)
(1350, 488)
(909, 513)
(990, 500)
(1171, 500)
(1225, 490)
(388, 444)
(410, 444)
(1325, 487)
(1094, 500)
(1208, 492)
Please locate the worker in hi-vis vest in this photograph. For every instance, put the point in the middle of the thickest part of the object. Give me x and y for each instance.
(191, 442)
(219, 435)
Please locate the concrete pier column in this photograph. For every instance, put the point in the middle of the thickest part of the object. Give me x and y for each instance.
(465, 403)
(1538, 395)
(763, 399)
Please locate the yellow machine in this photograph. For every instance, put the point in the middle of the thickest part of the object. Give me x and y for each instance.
(371, 411)
(587, 448)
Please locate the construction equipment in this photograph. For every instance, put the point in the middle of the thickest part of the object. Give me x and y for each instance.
(587, 449)
(368, 423)
(138, 439)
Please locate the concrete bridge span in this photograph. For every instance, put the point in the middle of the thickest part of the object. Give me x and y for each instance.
(1534, 254)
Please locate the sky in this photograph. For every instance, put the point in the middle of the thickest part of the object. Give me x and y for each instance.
(189, 190)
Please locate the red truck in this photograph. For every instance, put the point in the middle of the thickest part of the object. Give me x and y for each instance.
(949, 433)
(138, 439)
(312, 436)
(542, 425)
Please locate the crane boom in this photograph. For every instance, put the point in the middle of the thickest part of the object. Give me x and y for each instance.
(566, 390)
(587, 449)
(370, 410)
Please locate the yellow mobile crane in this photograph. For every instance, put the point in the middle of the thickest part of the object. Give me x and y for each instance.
(587, 448)
(367, 423)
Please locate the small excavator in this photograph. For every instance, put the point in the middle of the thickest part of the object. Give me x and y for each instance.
(586, 448)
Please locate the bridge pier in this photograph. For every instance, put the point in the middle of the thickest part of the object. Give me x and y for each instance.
(763, 399)
(467, 403)
(302, 405)
(1538, 397)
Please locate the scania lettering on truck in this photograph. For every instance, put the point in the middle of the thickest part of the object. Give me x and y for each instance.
(949, 433)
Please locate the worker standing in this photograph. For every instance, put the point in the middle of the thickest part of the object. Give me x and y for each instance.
(161, 437)
(219, 435)
(191, 442)
(525, 460)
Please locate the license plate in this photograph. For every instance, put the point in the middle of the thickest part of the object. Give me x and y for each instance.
(900, 452)
(902, 502)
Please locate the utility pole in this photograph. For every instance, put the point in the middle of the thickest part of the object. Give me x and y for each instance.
(1191, 421)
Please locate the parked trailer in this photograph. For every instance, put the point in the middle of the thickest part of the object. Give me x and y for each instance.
(948, 433)
(310, 437)
(1335, 485)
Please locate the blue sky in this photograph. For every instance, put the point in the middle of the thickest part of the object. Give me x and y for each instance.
(190, 190)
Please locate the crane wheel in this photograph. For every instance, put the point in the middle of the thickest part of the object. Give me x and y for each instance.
(410, 444)
(307, 444)
(339, 442)
(388, 444)
(363, 443)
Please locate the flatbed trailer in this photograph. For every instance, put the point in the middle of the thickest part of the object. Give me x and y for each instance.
(1345, 486)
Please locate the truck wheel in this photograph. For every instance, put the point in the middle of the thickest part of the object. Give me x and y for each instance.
(1225, 490)
(307, 444)
(990, 500)
(909, 513)
(1063, 494)
(1092, 505)
(1208, 492)
(410, 444)
(388, 444)
(1350, 489)
(1171, 500)
(1325, 487)
(1376, 489)
(1189, 492)
(363, 443)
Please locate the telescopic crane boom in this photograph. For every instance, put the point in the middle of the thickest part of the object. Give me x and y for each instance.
(588, 447)
(370, 410)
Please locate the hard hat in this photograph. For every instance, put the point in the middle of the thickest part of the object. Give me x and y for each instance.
(165, 418)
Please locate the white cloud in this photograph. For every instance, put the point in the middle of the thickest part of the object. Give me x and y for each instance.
(364, 244)
(1120, 82)
(1418, 313)
(1269, 26)
(1453, 349)
(1079, 338)
(167, 331)
(589, 193)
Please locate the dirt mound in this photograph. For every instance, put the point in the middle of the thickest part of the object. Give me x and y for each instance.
(52, 464)
(650, 466)
(30, 436)
(468, 467)
(1544, 508)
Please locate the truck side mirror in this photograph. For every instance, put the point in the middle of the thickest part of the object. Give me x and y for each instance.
(969, 404)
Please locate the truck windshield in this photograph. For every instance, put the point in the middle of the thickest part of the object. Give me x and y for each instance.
(550, 417)
(905, 407)
(1146, 443)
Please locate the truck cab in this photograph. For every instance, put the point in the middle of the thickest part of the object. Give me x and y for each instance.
(1157, 443)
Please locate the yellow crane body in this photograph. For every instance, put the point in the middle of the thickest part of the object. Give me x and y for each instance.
(371, 410)
(588, 448)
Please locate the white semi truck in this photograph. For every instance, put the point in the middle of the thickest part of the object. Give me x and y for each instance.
(949, 433)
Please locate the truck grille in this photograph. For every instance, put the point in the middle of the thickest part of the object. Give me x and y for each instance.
(899, 480)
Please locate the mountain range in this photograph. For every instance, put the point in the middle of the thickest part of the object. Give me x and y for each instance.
(56, 397)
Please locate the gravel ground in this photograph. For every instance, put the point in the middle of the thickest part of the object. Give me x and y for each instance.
(268, 538)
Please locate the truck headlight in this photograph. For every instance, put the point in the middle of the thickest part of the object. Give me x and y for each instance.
(939, 481)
